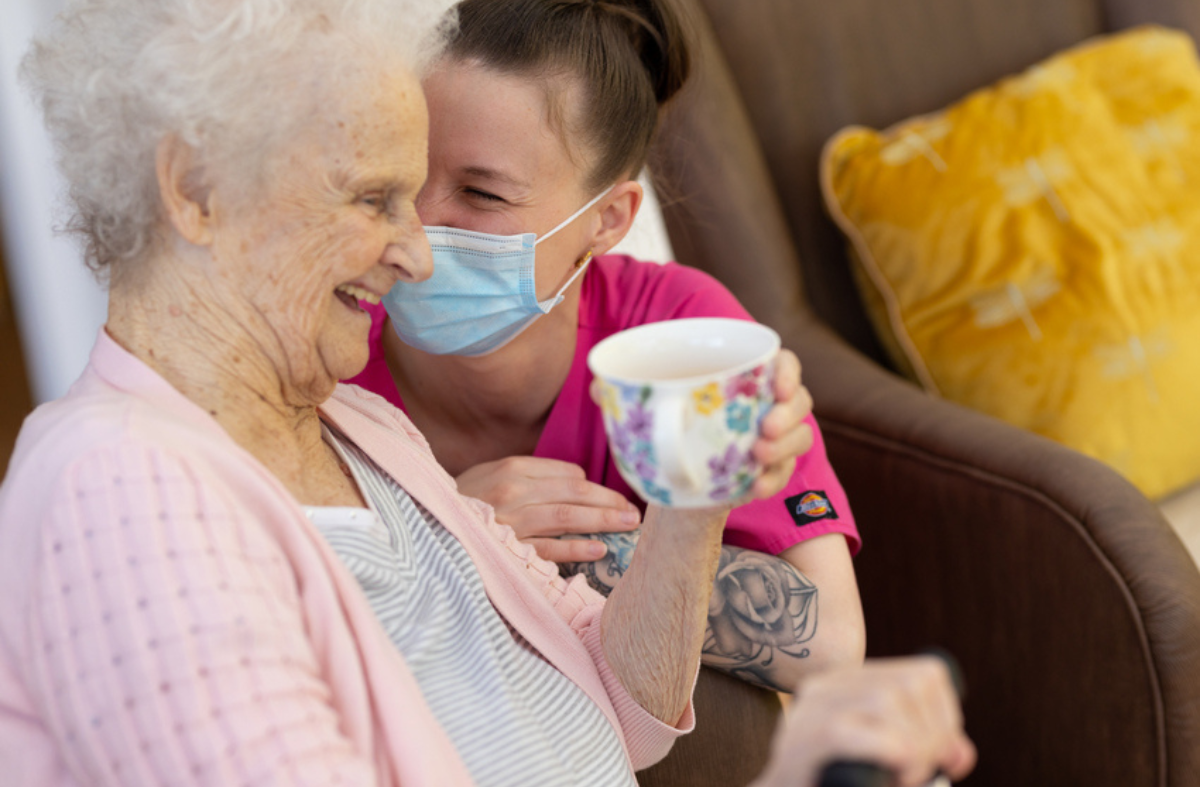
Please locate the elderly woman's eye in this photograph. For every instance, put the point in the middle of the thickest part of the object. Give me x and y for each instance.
(375, 201)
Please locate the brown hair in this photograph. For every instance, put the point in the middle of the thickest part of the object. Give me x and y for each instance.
(630, 57)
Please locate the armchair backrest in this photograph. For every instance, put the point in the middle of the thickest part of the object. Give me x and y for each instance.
(800, 70)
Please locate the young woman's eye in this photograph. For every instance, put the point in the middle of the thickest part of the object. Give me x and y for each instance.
(483, 195)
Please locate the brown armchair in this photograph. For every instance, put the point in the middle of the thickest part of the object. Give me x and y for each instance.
(1071, 603)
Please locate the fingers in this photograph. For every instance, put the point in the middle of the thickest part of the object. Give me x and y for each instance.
(537, 467)
(773, 479)
(797, 441)
(926, 719)
(557, 519)
(555, 506)
(778, 459)
(945, 707)
(787, 413)
(957, 757)
(902, 714)
(516, 481)
(961, 760)
(928, 708)
(785, 434)
(787, 375)
(568, 550)
(544, 498)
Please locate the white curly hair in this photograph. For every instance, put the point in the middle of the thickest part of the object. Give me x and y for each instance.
(229, 77)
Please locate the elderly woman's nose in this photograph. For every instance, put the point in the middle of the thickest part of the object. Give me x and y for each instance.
(409, 253)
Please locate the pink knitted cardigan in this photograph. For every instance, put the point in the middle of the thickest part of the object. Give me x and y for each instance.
(169, 615)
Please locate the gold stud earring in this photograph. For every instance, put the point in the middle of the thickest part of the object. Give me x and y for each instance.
(584, 259)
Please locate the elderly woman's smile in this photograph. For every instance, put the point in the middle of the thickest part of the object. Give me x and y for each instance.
(351, 294)
(330, 222)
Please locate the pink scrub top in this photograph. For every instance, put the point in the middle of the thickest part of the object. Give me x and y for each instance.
(620, 292)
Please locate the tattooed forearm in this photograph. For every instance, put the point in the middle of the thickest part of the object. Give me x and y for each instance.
(763, 611)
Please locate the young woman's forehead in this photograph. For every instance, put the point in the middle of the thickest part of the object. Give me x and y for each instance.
(488, 123)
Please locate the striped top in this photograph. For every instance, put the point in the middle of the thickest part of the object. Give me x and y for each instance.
(539, 728)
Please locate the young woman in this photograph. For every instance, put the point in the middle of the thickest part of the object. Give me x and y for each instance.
(541, 113)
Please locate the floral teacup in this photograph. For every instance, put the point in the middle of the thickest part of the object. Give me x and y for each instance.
(682, 402)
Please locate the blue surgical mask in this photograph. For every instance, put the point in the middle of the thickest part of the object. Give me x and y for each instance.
(481, 294)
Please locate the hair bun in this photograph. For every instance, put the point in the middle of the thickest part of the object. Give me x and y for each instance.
(657, 32)
(630, 57)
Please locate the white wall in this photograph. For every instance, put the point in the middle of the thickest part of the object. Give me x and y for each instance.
(58, 304)
(647, 239)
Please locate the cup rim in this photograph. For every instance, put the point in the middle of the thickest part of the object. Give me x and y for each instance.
(759, 360)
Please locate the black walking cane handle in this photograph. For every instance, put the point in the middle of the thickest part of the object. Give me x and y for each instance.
(854, 774)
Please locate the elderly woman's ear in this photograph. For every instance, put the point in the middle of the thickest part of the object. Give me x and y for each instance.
(184, 189)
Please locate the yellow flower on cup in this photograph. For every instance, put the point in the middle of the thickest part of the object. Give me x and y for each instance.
(610, 401)
(708, 399)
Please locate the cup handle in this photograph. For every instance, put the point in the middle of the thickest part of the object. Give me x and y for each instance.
(674, 459)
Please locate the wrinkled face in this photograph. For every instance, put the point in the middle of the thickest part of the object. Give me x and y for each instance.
(497, 165)
(333, 222)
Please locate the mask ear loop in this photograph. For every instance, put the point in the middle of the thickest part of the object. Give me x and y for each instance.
(576, 214)
(580, 267)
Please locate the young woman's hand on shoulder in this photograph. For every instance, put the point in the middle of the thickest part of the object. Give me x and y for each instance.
(542, 499)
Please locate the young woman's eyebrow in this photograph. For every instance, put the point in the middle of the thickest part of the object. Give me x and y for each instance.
(494, 174)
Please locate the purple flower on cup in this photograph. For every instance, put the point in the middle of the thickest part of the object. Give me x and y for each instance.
(622, 438)
(725, 465)
(728, 470)
(632, 431)
(643, 462)
(732, 488)
(640, 422)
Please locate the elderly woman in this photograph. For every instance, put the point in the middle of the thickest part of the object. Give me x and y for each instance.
(244, 172)
(542, 113)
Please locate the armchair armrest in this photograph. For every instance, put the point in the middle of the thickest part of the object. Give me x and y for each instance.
(1071, 603)
(732, 739)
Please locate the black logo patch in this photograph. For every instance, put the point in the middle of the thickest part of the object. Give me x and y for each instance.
(809, 507)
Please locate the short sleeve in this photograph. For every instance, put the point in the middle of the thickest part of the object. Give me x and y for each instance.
(812, 504)
(168, 638)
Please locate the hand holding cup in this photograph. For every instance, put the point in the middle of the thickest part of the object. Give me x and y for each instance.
(785, 433)
(701, 412)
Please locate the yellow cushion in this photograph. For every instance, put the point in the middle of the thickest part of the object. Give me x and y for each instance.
(1034, 250)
